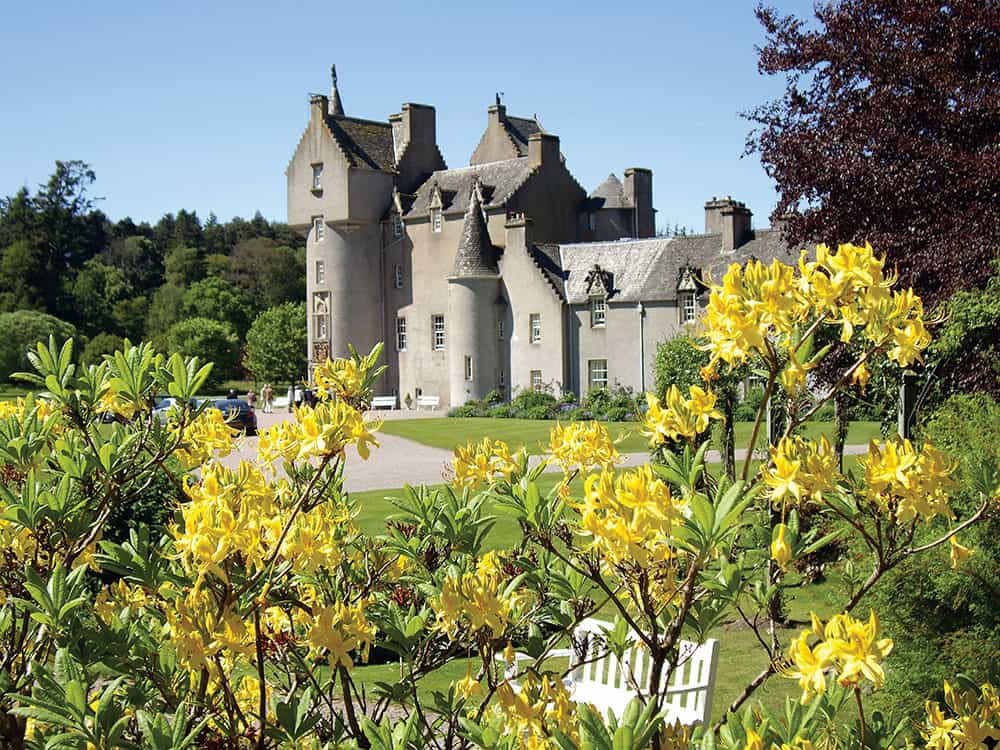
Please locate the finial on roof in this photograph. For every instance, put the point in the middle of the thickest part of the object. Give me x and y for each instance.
(499, 96)
(336, 105)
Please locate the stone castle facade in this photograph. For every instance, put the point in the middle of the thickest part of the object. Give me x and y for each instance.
(501, 274)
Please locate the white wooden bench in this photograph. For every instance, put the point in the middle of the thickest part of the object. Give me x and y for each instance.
(428, 402)
(385, 402)
(598, 677)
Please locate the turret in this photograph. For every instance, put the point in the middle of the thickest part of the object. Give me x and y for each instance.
(473, 288)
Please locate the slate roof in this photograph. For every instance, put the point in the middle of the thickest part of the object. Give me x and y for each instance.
(497, 180)
(520, 128)
(476, 255)
(650, 269)
(365, 143)
(609, 194)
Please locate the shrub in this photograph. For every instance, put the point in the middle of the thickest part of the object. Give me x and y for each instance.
(536, 412)
(209, 341)
(97, 347)
(20, 331)
(494, 397)
(678, 363)
(530, 399)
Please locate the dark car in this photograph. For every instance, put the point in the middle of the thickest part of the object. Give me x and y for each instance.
(238, 413)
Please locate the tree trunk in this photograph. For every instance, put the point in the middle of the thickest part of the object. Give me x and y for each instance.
(12, 731)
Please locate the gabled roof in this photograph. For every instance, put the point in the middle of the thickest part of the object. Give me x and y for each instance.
(497, 180)
(652, 269)
(365, 143)
(520, 129)
(476, 255)
(609, 194)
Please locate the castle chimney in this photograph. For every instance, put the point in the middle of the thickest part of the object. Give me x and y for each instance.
(638, 190)
(336, 106)
(518, 232)
(729, 218)
(543, 148)
(419, 124)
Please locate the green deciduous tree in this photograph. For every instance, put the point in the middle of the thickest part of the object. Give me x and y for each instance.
(164, 310)
(270, 273)
(183, 265)
(98, 346)
(277, 345)
(20, 331)
(209, 341)
(220, 300)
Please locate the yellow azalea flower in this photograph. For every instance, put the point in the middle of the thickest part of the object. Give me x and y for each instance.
(793, 377)
(959, 553)
(860, 376)
(339, 630)
(468, 686)
(582, 445)
(483, 462)
(754, 741)
(781, 553)
(907, 483)
(681, 418)
(204, 438)
(849, 648)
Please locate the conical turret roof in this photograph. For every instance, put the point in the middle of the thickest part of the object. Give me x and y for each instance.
(476, 255)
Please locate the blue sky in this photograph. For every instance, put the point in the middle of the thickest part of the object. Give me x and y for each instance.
(199, 105)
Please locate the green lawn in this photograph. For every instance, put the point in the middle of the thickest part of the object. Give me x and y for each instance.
(447, 432)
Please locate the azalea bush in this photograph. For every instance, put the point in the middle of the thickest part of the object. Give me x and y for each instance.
(242, 623)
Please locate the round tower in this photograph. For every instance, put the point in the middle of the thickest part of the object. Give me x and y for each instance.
(473, 288)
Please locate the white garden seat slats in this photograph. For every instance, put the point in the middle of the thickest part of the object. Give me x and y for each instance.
(597, 676)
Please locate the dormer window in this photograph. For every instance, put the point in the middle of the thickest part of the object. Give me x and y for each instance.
(598, 312)
(435, 219)
(317, 170)
(319, 228)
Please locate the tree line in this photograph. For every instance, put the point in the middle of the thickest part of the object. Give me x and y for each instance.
(187, 284)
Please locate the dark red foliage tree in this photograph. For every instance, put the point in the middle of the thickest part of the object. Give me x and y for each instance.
(889, 132)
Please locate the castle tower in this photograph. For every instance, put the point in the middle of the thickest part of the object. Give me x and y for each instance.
(473, 289)
(340, 183)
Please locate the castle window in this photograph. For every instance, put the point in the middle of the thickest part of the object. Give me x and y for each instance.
(500, 329)
(598, 312)
(536, 380)
(400, 334)
(536, 328)
(592, 222)
(687, 307)
(397, 225)
(320, 272)
(397, 273)
(597, 371)
(437, 328)
(319, 228)
(321, 315)
(317, 176)
(468, 367)
(436, 219)
(501, 379)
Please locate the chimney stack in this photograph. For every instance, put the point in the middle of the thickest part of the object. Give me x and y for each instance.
(543, 148)
(729, 218)
(419, 124)
(638, 191)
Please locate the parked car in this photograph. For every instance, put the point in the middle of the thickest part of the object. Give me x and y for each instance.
(238, 413)
(164, 404)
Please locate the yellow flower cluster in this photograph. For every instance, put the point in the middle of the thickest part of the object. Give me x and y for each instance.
(540, 704)
(200, 632)
(757, 306)
(848, 647)
(340, 629)
(325, 430)
(229, 512)
(112, 402)
(907, 483)
(781, 552)
(483, 462)
(344, 379)
(800, 469)
(19, 408)
(681, 418)
(239, 513)
(114, 598)
(582, 444)
(629, 518)
(973, 719)
(204, 437)
(476, 600)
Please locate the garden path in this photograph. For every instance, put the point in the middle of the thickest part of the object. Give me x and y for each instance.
(398, 461)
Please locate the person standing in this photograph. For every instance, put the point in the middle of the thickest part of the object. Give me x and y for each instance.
(291, 398)
(251, 398)
(267, 395)
(298, 396)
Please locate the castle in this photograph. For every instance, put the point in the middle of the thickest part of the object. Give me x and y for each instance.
(504, 274)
